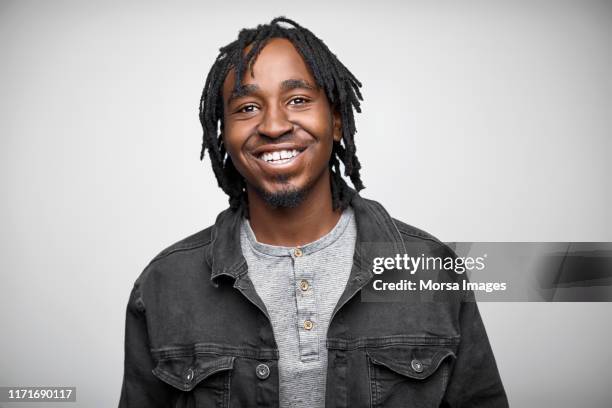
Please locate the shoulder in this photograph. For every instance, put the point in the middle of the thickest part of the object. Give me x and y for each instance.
(193, 242)
(413, 233)
(187, 253)
(414, 236)
(423, 244)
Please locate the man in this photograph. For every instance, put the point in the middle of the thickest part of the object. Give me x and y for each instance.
(263, 308)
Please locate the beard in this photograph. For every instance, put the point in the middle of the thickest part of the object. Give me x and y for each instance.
(288, 197)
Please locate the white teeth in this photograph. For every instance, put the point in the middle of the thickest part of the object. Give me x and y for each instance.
(279, 156)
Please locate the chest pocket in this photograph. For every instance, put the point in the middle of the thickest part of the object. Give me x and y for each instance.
(203, 379)
(408, 376)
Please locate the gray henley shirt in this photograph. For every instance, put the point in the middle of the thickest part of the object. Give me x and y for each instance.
(300, 288)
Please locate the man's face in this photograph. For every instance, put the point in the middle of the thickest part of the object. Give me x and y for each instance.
(279, 128)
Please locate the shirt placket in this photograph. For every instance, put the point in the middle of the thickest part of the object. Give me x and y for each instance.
(303, 278)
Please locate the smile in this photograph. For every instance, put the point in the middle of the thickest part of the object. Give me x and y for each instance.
(279, 156)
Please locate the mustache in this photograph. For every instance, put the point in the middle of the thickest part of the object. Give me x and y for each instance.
(284, 138)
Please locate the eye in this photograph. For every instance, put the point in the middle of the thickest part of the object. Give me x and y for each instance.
(298, 100)
(247, 108)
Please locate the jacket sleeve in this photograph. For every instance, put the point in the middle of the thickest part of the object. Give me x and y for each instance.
(140, 387)
(475, 380)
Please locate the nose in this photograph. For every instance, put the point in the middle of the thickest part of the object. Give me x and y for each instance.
(274, 123)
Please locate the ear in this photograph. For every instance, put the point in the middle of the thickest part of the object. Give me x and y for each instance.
(336, 125)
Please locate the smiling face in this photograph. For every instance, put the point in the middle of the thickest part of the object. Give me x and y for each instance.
(279, 128)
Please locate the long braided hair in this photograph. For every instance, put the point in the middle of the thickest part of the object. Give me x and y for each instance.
(340, 85)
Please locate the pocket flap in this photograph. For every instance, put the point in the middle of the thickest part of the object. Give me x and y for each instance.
(186, 371)
(414, 362)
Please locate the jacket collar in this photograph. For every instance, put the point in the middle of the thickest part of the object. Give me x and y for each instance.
(375, 227)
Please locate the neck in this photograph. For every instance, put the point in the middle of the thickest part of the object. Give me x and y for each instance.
(307, 222)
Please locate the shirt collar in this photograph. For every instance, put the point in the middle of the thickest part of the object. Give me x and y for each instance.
(249, 238)
(374, 227)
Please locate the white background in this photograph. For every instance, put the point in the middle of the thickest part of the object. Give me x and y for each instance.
(482, 121)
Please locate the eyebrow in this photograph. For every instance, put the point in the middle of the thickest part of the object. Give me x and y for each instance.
(286, 85)
(289, 84)
(243, 90)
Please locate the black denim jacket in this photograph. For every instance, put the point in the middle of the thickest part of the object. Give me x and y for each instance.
(198, 335)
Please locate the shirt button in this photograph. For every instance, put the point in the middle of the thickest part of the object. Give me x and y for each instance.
(417, 366)
(308, 324)
(298, 252)
(189, 374)
(262, 371)
(304, 285)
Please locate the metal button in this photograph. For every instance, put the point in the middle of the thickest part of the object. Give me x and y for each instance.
(189, 374)
(308, 324)
(262, 371)
(304, 285)
(298, 252)
(417, 366)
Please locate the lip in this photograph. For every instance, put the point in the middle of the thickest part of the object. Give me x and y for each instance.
(270, 148)
(278, 167)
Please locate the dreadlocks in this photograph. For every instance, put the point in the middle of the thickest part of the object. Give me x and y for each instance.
(340, 85)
